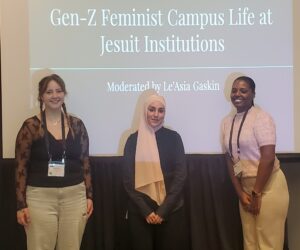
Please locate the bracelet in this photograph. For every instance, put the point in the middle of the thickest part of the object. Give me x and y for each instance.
(255, 194)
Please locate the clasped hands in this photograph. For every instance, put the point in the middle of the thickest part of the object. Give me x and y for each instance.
(251, 204)
(154, 218)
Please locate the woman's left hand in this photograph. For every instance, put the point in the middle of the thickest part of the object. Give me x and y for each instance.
(158, 220)
(255, 205)
(90, 207)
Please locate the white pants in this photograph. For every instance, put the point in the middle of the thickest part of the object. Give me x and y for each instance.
(266, 230)
(58, 217)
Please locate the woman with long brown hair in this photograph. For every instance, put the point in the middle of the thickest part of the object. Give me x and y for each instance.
(53, 180)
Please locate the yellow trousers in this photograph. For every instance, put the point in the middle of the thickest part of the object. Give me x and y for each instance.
(57, 217)
(266, 230)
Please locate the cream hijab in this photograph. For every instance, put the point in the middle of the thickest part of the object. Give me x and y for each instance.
(148, 174)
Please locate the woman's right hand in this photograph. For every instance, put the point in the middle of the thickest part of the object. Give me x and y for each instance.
(23, 217)
(153, 218)
(245, 200)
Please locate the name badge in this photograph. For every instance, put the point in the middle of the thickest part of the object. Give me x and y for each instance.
(238, 169)
(56, 168)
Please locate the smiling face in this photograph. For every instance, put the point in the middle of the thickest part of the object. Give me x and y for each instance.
(155, 114)
(54, 96)
(242, 95)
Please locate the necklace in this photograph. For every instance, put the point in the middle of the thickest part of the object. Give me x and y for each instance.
(55, 122)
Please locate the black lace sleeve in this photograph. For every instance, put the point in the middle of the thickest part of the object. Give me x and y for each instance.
(26, 135)
(81, 131)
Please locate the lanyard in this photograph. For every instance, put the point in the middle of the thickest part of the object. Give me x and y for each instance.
(238, 137)
(47, 136)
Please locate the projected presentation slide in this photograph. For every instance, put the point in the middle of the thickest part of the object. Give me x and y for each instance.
(110, 52)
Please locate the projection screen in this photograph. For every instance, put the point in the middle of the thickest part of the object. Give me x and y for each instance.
(112, 54)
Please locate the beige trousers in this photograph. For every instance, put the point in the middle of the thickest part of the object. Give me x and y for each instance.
(266, 231)
(58, 217)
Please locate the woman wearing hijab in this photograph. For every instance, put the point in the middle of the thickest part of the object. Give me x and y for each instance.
(154, 174)
(250, 139)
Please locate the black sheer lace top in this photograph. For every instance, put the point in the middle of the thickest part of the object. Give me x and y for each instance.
(32, 158)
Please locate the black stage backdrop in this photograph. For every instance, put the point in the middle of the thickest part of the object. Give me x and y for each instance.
(211, 206)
